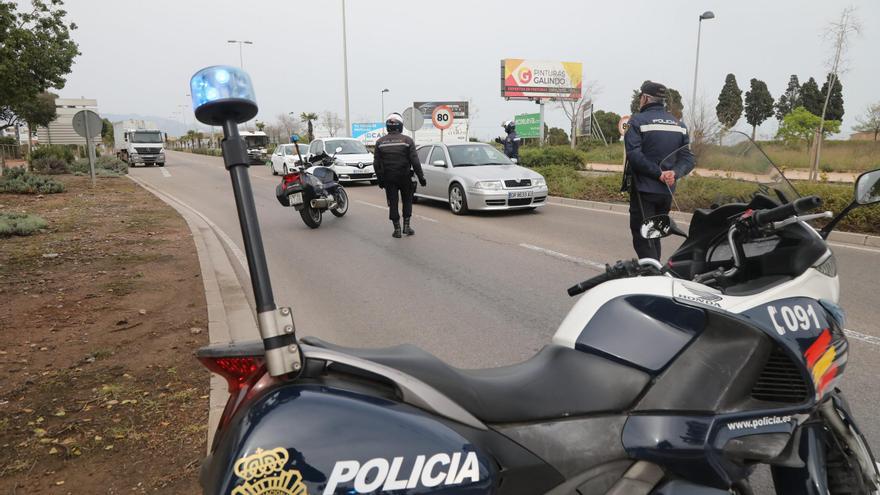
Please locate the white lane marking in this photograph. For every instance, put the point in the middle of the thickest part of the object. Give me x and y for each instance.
(589, 209)
(870, 339)
(565, 257)
(427, 219)
(165, 172)
(230, 244)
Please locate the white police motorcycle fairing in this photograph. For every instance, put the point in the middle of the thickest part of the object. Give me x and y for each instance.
(662, 380)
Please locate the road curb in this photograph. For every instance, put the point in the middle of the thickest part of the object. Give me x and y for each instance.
(230, 316)
(849, 238)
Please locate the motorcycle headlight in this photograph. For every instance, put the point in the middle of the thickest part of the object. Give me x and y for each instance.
(539, 182)
(490, 185)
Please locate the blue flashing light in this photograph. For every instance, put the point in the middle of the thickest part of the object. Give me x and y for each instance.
(220, 82)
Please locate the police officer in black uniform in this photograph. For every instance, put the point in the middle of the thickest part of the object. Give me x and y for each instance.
(394, 161)
(652, 135)
(510, 142)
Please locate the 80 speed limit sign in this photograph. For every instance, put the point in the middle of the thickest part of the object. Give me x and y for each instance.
(442, 117)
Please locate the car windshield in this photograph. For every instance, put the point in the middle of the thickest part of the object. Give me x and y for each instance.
(290, 150)
(471, 155)
(146, 137)
(349, 147)
(256, 141)
(734, 157)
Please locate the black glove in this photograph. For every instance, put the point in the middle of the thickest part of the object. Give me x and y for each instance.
(422, 181)
(498, 140)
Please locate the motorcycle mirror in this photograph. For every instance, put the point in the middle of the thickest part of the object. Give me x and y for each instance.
(338, 149)
(657, 227)
(867, 190)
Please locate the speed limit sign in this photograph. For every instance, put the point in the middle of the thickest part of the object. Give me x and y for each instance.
(442, 117)
(623, 124)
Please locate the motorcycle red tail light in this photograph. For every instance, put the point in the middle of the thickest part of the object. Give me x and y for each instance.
(291, 178)
(237, 371)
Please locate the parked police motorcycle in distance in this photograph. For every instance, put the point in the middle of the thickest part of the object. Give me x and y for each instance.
(312, 189)
(661, 380)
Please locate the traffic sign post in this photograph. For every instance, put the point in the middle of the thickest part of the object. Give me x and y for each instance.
(88, 124)
(442, 117)
(413, 120)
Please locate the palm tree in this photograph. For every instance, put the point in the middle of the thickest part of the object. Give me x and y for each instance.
(199, 136)
(191, 137)
(308, 118)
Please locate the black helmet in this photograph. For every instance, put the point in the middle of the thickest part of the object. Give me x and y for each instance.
(394, 123)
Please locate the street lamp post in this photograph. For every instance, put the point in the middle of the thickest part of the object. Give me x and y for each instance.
(240, 56)
(345, 71)
(382, 93)
(704, 16)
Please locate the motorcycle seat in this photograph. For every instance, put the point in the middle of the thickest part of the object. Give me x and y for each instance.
(556, 382)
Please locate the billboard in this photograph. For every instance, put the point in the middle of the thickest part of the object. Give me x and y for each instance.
(456, 133)
(530, 79)
(368, 132)
(528, 125)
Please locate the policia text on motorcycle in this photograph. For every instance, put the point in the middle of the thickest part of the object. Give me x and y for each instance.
(653, 134)
(395, 160)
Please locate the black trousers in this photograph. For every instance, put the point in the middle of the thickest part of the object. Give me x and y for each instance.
(399, 189)
(652, 204)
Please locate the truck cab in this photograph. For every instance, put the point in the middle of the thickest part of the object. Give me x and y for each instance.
(256, 145)
(136, 144)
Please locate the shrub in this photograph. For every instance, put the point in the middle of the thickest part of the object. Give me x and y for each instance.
(20, 224)
(50, 165)
(17, 181)
(551, 155)
(105, 166)
(53, 150)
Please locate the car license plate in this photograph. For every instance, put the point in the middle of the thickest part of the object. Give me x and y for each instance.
(519, 194)
(296, 198)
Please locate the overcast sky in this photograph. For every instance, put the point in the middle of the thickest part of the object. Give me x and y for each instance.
(137, 56)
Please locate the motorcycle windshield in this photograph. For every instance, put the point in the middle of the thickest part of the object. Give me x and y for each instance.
(742, 165)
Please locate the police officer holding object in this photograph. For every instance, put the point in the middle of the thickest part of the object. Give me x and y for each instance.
(394, 161)
(653, 134)
(511, 142)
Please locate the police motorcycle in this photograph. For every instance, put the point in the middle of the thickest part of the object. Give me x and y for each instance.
(313, 188)
(660, 384)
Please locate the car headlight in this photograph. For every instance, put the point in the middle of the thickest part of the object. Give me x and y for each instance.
(539, 182)
(491, 185)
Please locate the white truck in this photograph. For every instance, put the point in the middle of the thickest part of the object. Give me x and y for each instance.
(256, 145)
(139, 142)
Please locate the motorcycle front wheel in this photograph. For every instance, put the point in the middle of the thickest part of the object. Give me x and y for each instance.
(311, 216)
(341, 202)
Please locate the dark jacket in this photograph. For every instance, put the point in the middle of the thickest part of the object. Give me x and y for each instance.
(395, 158)
(653, 134)
(511, 144)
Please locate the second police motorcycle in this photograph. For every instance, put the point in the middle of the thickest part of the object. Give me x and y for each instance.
(672, 379)
(312, 188)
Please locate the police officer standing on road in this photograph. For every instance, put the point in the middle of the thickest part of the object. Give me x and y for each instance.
(511, 142)
(652, 135)
(394, 161)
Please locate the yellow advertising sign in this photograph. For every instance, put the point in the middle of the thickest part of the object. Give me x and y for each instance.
(533, 79)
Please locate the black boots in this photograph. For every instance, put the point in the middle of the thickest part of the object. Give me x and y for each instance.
(398, 233)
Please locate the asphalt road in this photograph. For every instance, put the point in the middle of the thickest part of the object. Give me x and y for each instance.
(478, 291)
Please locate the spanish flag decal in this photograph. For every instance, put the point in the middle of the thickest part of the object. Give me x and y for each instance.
(820, 361)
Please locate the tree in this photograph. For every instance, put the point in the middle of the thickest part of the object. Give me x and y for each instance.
(730, 104)
(260, 125)
(704, 127)
(870, 122)
(759, 104)
(331, 122)
(634, 101)
(574, 109)
(308, 118)
(289, 123)
(607, 121)
(811, 97)
(801, 124)
(36, 53)
(790, 99)
(557, 136)
(37, 111)
(107, 132)
(674, 104)
(834, 110)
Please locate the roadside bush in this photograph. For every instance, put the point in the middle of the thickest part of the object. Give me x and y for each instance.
(17, 181)
(54, 151)
(20, 224)
(105, 166)
(50, 165)
(612, 154)
(551, 155)
(208, 151)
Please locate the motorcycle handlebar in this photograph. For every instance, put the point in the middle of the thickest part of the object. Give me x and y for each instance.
(797, 207)
(588, 284)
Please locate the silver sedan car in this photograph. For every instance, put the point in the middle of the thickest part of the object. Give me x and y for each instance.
(476, 176)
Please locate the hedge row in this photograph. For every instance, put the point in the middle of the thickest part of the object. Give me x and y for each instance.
(702, 192)
(18, 181)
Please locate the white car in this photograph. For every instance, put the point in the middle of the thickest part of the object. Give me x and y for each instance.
(353, 161)
(284, 158)
(476, 176)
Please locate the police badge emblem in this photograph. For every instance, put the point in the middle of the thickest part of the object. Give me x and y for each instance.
(264, 474)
